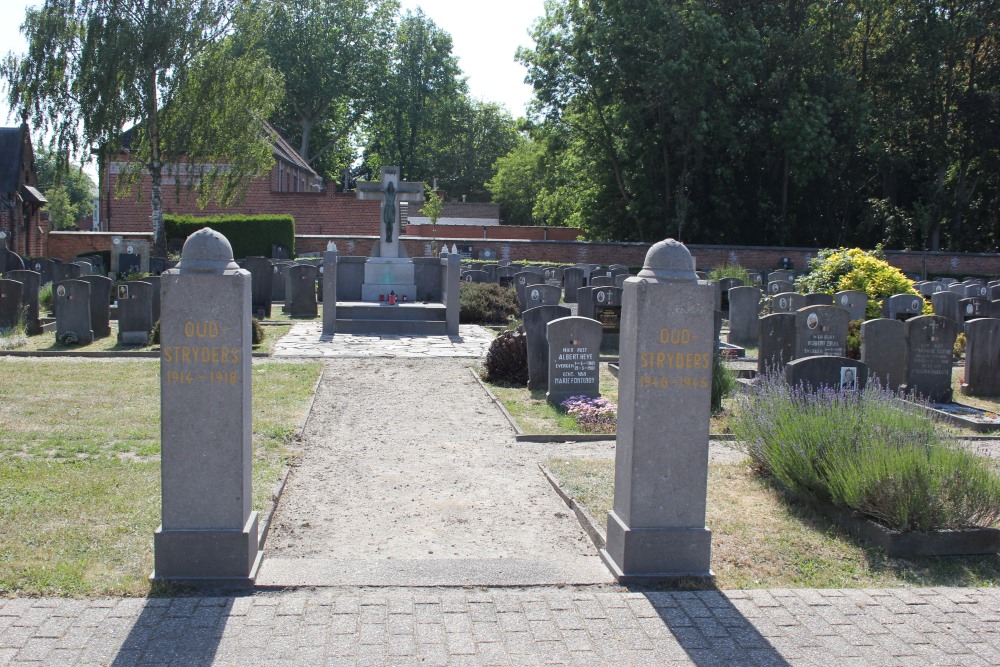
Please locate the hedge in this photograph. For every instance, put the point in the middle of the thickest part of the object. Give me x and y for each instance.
(250, 235)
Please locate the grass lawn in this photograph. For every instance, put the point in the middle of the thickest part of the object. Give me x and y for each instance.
(80, 473)
(761, 541)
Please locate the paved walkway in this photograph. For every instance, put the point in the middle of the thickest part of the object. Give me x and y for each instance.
(306, 339)
(574, 624)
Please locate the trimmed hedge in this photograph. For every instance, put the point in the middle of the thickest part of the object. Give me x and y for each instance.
(250, 235)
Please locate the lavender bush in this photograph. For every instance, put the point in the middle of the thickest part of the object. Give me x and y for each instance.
(867, 451)
(592, 415)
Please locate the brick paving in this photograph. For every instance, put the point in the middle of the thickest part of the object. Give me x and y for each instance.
(306, 339)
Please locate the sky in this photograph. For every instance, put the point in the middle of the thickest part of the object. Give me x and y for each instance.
(485, 34)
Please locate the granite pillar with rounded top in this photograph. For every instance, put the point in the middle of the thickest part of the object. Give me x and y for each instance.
(208, 534)
(656, 530)
(329, 271)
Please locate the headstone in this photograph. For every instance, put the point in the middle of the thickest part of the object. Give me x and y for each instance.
(100, 304)
(86, 268)
(982, 357)
(821, 331)
(505, 276)
(574, 358)
(855, 302)
(831, 372)
(757, 279)
(155, 282)
(10, 303)
(929, 342)
(744, 315)
(488, 254)
(491, 272)
(476, 277)
(29, 297)
(301, 290)
(780, 287)
(902, 306)
(573, 279)
(331, 259)
(278, 282)
(521, 281)
(819, 299)
(536, 321)
(656, 529)
(129, 256)
(946, 304)
(541, 295)
(974, 307)
(787, 302)
(585, 302)
(61, 272)
(280, 252)
(261, 285)
(73, 312)
(602, 281)
(620, 280)
(883, 351)
(777, 342)
(994, 293)
(781, 274)
(726, 284)
(608, 309)
(208, 533)
(43, 267)
(975, 290)
(135, 312)
(553, 275)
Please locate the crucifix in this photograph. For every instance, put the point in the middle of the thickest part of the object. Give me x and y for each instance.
(390, 191)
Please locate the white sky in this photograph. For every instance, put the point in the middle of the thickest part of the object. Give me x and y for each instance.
(486, 35)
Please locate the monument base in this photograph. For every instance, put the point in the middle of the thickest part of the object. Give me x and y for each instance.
(384, 275)
(208, 557)
(653, 555)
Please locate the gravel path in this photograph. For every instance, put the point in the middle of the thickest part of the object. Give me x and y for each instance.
(410, 475)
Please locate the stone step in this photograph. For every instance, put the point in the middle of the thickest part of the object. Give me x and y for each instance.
(392, 327)
(374, 311)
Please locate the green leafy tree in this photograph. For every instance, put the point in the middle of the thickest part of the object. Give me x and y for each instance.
(62, 213)
(334, 57)
(433, 208)
(54, 171)
(170, 70)
(518, 181)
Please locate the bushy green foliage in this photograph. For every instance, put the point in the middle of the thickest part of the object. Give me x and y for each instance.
(854, 339)
(486, 303)
(729, 271)
(865, 451)
(723, 383)
(507, 359)
(250, 235)
(45, 298)
(836, 270)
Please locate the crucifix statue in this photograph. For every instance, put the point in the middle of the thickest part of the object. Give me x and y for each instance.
(390, 191)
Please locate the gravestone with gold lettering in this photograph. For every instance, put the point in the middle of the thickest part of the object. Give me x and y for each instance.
(208, 533)
(656, 529)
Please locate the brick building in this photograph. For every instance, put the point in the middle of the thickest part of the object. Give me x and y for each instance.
(20, 200)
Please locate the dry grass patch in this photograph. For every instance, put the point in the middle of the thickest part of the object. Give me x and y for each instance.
(761, 540)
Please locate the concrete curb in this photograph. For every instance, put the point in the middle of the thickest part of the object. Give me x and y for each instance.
(587, 522)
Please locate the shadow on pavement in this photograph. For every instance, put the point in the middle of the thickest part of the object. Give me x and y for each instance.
(185, 630)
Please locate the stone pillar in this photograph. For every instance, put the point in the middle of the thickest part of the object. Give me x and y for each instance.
(452, 279)
(329, 271)
(208, 534)
(656, 530)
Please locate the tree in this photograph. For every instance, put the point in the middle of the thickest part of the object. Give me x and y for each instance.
(334, 57)
(169, 69)
(62, 213)
(55, 171)
(433, 208)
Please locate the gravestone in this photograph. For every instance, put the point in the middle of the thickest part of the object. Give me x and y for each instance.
(86, 268)
(573, 279)
(982, 357)
(476, 277)
(574, 358)
(819, 299)
(541, 295)
(777, 342)
(994, 293)
(61, 272)
(780, 287)
(929, 342)
(300, 289)
(602, 281)
(73, 312)
(278, 283)
(44, 267)
(726, 284)
(787, 302)
(505, 276)
(521, 281)
(536, 321)
(946, 304)
(29, 297)
(757, 279)
(974, 307)
(100, 304)
(208, 534)
(129, 256)
(855, 302)
(902, 306)
(585, 302)
(331, 259)
(656, 529)
(280, 252)
(831, 372)
(135, 312)
(883, 351)
(10, 303)
(553, 275)
(744, 315)
(781, 274)
(821, 331)
(155, 282)
(620, 280)
(608, 311)
(261, 285)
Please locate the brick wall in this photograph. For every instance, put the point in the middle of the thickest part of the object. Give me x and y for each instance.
(67, 245)
(480, 232)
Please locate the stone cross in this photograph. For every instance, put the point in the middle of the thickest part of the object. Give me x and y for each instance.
(390, 191)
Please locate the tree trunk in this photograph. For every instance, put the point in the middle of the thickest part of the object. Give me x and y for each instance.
(155, 168)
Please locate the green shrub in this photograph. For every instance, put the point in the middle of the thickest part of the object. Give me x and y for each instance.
(959, 349)
(855, 269)
(865, 451)
(729, 271)
(723, 383)
(854, 339)
(507, 359)
(486, 303)
(250, 235)
(45, 298)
